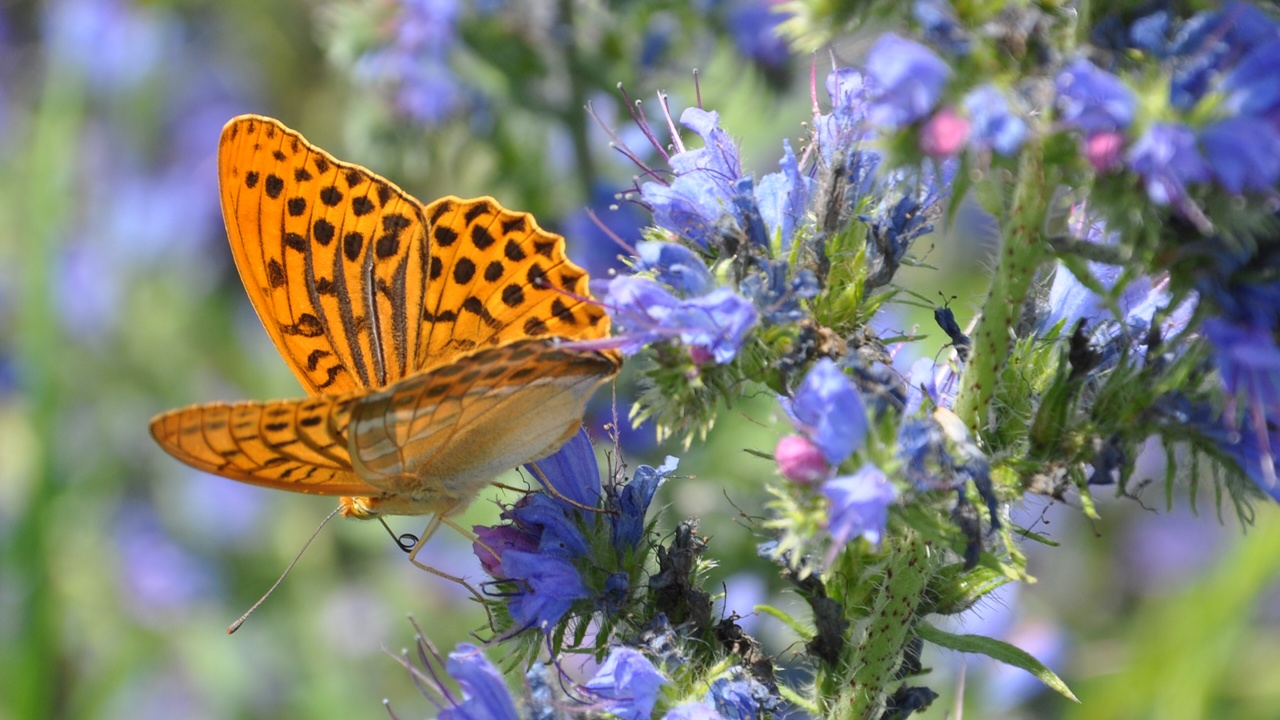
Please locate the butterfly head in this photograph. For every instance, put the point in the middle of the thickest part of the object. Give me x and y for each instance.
(360, 508)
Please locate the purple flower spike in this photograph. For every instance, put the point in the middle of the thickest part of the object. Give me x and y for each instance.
(829, 410)
(859, 507)
(628, 683)
(908, 79)
(1167, 159)
(1093, 100)
(1243, 153)
(485, 695)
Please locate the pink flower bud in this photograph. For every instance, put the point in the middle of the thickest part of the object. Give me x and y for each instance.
(944, 135)
(1103, 150)
(799, 460)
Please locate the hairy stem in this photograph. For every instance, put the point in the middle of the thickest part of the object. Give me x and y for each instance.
(1021, 253)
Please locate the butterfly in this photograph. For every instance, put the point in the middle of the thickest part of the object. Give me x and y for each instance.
(431, 338)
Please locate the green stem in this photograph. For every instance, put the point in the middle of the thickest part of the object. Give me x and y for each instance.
(875, 660)
(1021, 253)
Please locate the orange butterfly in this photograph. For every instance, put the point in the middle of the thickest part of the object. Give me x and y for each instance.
(427, 335)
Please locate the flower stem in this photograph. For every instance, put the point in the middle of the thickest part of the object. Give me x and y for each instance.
(872, 668)
(1021, 254)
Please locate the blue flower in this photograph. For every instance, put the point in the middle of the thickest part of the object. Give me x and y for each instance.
(713, 326)
(633, 500)
(845, 126)
(783, 197)
(941, 26)
(1249, 366)
(907, 80)
(693, 711)
(828, 409)
(535, 551)
(114, 44)
(738, 699)
(548, 586)
(675, 266)
(412, 64)
(1243, 154)
(703, 187)
(627, 683)
(1253, 87)
(1167, 159)
(1208, 44)
(776, 293)
(753, 24)
(858, 507)
(1093, 100)
(994, 126)
(485, 694)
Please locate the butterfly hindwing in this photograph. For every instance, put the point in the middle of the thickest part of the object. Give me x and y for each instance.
(297, 445)
(456, 426)
(333, 256)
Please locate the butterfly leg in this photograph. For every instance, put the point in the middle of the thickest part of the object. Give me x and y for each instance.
(427, 532)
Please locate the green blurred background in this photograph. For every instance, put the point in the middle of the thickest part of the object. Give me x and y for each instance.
(118, 300)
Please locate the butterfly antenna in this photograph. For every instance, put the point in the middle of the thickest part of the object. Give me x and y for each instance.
(236, 625)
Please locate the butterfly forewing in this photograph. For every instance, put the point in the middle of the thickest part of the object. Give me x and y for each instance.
(333, 256)
(297, 445)
(496, 277)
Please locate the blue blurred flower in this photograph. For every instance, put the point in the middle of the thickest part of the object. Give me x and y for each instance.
(627, 683)
(412, 64)
(941, 26)
(1249, 366)
(713, 326)
(846, 125)
(828, 409)
(922, 446)
(753, 24)
(907, 80)
(1168, 160)
(484, 693)
(858, 507)
(1253, 86)
(675, 266)
(1243, 153)
(994, 125)
(161, 579)
(597, 248)
(700, 710)
(114, 44)
(1093, 100)
(739, 699)
(1208, 44)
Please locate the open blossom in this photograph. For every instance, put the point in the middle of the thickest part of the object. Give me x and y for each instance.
(1167, 158)
(713, 326)
(484, 693)
(1093, 100)
(907, 80)
(858, 507)
(829, 410)
(627, 684)
(994, 125)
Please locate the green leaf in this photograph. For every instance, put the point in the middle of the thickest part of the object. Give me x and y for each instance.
(995, 649)
(796, 626)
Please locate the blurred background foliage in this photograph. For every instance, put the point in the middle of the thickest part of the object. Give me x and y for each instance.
(118, 299)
